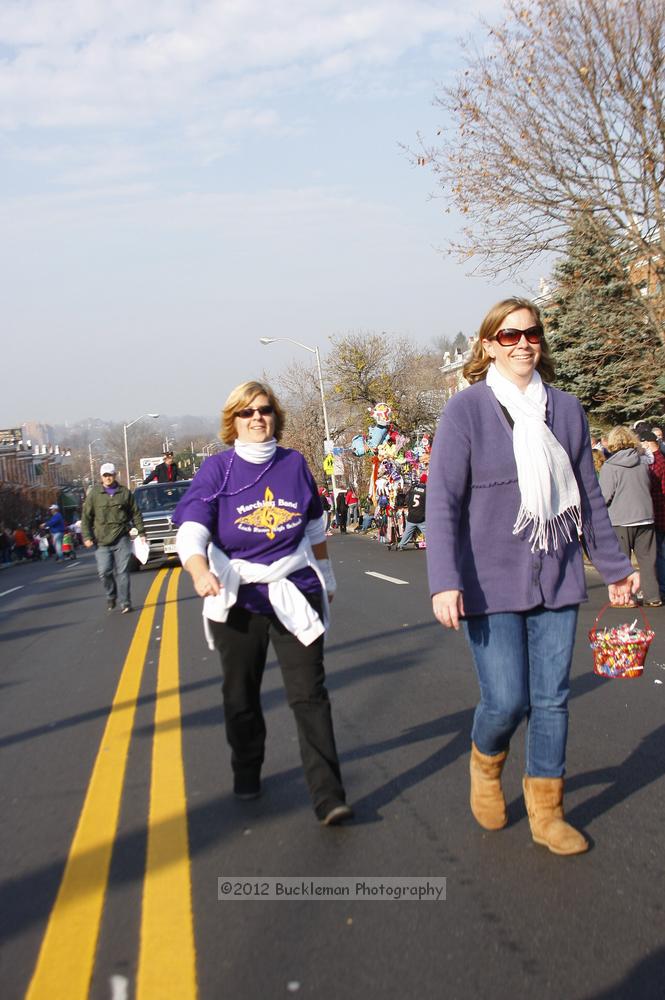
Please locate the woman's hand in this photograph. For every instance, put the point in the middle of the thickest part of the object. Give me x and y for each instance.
(205, 583)
(448, 606)
(622, 591)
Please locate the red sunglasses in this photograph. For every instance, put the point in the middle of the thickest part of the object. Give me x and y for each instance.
(510, 337)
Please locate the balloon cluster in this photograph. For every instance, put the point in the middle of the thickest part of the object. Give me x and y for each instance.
(393, 464)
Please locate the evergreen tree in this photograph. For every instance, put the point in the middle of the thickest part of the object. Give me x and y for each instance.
(604, 346)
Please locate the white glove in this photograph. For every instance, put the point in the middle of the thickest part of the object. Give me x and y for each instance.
(328, 576)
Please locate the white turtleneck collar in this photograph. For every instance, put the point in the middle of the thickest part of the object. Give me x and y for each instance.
(256, 453)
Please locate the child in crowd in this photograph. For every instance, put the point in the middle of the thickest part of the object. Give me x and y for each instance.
(68, 545)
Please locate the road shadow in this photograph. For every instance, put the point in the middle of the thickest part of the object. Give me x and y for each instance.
(51, 728)
(28, 899)
(367, 808)
(645, 981)
(24, 633)
(644, 765)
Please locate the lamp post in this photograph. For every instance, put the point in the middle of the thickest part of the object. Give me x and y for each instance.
(130, 424)
(92, 472)
(315, 351)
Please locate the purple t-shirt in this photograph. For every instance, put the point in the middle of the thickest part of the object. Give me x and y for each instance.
(260, 514)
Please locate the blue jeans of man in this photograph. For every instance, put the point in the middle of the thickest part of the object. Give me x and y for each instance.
(113, 568)
(523, 661)
(57, 543)
(409, 531)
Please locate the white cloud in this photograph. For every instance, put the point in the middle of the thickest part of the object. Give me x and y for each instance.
(97, 62)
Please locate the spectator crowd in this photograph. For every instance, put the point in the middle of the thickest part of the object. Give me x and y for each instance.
(52, 538)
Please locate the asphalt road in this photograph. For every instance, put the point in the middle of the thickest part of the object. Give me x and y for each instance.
(118, 815)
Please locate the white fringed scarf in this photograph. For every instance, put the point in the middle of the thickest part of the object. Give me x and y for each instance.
(550, 497)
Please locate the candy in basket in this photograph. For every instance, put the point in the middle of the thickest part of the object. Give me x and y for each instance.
(622, 650)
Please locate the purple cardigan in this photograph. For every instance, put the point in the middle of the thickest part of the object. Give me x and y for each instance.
(472, 503)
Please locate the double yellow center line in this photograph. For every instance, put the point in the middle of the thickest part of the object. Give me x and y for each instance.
(167, 958)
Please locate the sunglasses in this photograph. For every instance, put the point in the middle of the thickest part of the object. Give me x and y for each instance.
(249, 411)
(510, 337)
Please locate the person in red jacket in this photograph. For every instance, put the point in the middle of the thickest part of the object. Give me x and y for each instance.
(165, 472)
(352, 506)
(20, 544)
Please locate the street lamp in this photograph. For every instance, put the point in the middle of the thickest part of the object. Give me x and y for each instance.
(315, 351)
(169, 442)
(130, 424)
(92, 473)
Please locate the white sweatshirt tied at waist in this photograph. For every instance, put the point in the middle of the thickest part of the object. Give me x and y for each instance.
(288, 602)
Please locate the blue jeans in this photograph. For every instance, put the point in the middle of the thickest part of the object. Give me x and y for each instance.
(113, 568)
(57, 543)
(523, 663)
(409, 530)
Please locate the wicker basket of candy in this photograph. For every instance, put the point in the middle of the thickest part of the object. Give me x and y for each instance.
(622, 650)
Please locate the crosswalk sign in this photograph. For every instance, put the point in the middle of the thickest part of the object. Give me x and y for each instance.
(328, 465)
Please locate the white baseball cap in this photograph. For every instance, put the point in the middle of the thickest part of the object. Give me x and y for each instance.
(107, 469)
(54, 506)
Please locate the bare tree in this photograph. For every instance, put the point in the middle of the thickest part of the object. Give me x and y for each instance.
(362, 369)
(298, 389)
(562, 113)
(143, 441)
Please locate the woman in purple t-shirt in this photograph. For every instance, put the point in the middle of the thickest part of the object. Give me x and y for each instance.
(251, 535)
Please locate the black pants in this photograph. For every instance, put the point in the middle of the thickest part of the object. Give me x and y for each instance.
(641, 539)
(242, 642)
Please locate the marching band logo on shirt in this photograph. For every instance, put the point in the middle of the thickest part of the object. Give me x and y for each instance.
(268, 517)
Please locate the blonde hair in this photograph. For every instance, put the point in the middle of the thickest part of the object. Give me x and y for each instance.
(598, 460)
(476, 367)
(622, 437)
(238, 399)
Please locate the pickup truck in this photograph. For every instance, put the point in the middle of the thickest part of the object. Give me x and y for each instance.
(157, 501)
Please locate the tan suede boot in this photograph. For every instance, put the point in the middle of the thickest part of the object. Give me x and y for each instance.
(544, 804)
(487, 802)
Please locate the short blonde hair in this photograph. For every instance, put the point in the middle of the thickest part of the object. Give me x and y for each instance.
(620, 438)
(478, 364)
(238, 399)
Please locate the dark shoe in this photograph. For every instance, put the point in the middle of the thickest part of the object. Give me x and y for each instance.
(110, 604)
(126, 608)
(336, 814)
(652, 604)
(246, 788)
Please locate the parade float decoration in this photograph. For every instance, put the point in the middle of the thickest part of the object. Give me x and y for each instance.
(394, 466)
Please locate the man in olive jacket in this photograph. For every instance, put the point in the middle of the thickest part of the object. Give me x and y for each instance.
(109, 511)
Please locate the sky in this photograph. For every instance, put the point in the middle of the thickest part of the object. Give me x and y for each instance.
(179, 178)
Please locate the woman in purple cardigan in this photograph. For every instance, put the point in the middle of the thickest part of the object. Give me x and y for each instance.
(251, 536)
(511, 489)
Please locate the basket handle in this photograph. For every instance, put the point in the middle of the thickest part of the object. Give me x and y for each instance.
(609, 604)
